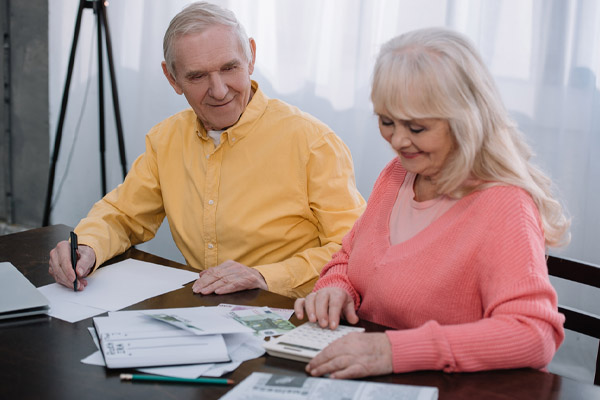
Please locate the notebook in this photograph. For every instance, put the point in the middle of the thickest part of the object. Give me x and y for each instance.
(18, 296)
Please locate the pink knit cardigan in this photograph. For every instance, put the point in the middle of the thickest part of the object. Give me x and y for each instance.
(470, 292)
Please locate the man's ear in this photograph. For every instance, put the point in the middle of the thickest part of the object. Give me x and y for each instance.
(171, 78)
(253, 48)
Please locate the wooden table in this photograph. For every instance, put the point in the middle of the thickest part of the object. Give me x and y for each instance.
(40, 357)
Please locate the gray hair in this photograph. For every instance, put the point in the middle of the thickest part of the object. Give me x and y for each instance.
(438, 73)
(196, 18)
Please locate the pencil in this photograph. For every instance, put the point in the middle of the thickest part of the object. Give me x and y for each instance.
(157, 378)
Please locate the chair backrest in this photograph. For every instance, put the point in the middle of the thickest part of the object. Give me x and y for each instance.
(577, 320)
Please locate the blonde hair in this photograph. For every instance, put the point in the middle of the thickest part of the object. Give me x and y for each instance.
(196, 18)
(437, 73)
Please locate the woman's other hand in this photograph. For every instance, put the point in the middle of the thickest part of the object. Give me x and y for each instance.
(355, 355)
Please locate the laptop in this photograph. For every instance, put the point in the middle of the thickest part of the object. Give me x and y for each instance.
(18, 296)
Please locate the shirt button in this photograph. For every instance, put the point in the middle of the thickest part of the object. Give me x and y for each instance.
(233, 139)
(211, 202)
(208, 156)
(210, 246)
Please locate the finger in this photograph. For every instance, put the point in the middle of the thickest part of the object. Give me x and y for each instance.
(211, 278)
(206, 279)
(86, 260)
(208, 288)
(299, 308)
(309, 306)
(322, 308)
(350, 312)
(336, 302)
(199, 285)
(323, 357)
(58, 274)
(338, 362)
(196, 286)
(60, 262)
(350, 372)
(53, 263)
(235, 283)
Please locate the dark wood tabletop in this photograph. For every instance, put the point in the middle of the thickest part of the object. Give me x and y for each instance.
(40, 357)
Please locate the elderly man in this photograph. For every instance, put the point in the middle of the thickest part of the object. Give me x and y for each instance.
(258, 194)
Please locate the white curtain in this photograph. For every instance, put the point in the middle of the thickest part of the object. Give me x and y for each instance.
(318, 55)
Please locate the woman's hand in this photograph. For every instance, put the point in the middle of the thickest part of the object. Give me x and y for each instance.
(326, 307)
(354, 356)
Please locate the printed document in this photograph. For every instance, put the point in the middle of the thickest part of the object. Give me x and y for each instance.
(265, 386)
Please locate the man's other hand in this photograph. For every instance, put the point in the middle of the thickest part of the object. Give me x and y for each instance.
(228, 277)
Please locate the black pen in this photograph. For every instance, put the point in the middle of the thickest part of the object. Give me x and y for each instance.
(74, 257)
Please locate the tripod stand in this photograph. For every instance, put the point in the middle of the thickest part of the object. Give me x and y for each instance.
(102, 24)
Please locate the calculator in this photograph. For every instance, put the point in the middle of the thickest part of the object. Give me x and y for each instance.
(305, 341)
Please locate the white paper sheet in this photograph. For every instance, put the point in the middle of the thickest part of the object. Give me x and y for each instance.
(72, 312)
(206, 319)
(114, 287)
(94, 359)
(241, 347)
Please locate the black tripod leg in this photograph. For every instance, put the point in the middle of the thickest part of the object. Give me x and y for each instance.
(61, 119)
(97, 7)
(115, 95)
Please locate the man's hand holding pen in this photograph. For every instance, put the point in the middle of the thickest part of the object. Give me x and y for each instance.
(61, 266)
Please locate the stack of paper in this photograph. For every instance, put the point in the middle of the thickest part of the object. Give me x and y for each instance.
(131, 339)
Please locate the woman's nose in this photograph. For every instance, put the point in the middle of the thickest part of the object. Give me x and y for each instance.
(400, 139)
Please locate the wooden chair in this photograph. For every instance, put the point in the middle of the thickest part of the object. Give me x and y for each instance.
(577, 320)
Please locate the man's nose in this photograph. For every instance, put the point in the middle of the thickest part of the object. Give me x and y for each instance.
(218, 87)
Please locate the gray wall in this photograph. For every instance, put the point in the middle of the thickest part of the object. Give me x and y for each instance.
(24, 144)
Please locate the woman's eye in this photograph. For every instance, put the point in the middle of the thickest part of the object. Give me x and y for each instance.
(386, 122)
(414, 129)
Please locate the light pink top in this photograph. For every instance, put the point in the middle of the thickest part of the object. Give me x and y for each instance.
(409, 216)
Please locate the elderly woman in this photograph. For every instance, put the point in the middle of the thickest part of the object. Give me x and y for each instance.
(450, 252)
